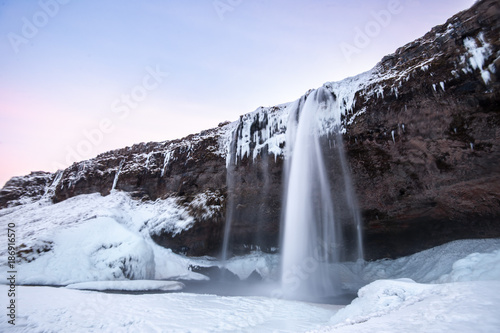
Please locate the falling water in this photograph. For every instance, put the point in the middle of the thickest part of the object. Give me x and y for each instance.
(321, 219)
(117, 175)
(230, 202)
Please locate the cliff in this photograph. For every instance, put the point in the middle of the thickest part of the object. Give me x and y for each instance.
(421, 132)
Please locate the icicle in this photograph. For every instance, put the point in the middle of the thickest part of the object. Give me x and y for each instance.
(165, 162)
(392, 133)
(117, 174)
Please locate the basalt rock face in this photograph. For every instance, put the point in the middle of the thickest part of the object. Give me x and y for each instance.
(426, 157)
(183, 169)
(25, 189)
(421, 133)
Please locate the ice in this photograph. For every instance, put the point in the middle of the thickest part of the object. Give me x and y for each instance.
(404, 306)
(46, 309)
(82, 254)
(265, 127)
(387, 305)
(264, 264)
(133, 285)
(380, 298)
(117, 175)
(429, 265)
(478, 54)
(474, 267)
(91, 237)
(166, 160)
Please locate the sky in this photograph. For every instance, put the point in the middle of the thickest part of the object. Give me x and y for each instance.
(78, 78)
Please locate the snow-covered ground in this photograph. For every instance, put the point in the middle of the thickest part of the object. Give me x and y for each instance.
(129, 285)
(453, 287)
(97, 238)
(463, 298)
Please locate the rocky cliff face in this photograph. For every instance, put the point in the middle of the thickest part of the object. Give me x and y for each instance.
(421, 132)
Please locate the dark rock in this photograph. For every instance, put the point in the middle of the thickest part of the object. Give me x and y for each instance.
(216, 273)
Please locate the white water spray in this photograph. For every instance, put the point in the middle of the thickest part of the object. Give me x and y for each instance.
(317, 217)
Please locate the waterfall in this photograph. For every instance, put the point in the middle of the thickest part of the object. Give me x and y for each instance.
(322, 226)
(117, 175)
(230, 201)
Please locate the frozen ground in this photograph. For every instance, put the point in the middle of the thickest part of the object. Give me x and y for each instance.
(104, 243)
(47, 309)
(128, 285)
(464, 298)
(59, 244)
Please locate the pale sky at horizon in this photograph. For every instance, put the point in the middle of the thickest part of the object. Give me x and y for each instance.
(67, 67)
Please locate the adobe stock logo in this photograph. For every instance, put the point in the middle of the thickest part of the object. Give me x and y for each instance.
(364, 36)
(31, 26)
(224, 6)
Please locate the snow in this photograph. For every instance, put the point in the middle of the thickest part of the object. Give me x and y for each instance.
(207, 211)
(117, 175)
(82, 254)
(264, 264)
(404, 306)
(166, 160)
(46, 309)
(59, 244)
(103, 243)
(386, 305)
(264, 130)
(474, 267)
(265, 127)
(133, 285)
(429, 265)
(380, 298)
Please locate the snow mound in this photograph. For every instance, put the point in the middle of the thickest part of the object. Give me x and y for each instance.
(429, 265)
(82, 254)
(380, 298)
(474, 267)
(446, 305)
(95, 238)
(395, 306)
(135, 285)
(264, 264)
(47, 309)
